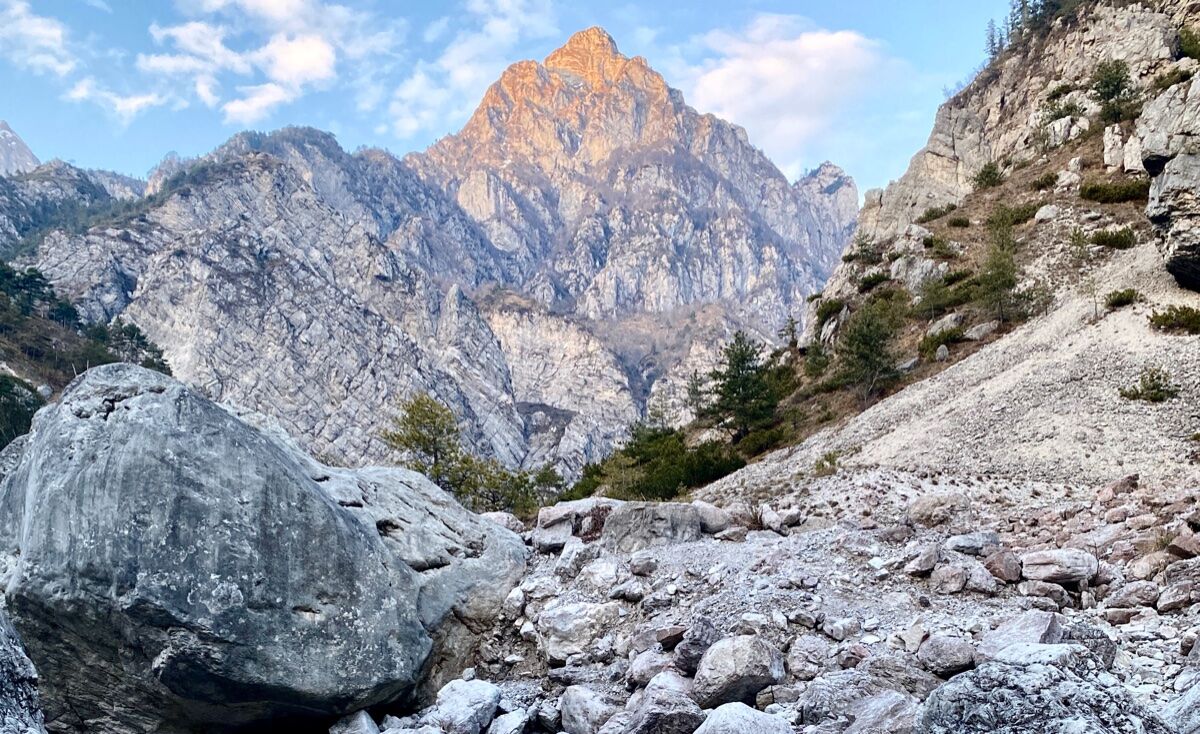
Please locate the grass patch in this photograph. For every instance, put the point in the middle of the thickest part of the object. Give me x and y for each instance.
(1010, 216)
(1154, 386)
(958, 222)
(1115, 239)
(930, 343)
(1115, 192)
(829, 309)
(1179, 319)
(1122, 298)
(936, 212)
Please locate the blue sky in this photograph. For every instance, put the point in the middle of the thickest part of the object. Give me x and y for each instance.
(116, 85)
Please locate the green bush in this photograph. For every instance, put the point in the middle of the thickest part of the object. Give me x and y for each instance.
(1168, 79)
(1057, 110)
(939, 248)
(1154, 386)
(1115, 192)
(989, 176)
(1059, 92)
(1115, 239)
(1111, 81)
(827, 465)
(1184, 319)
(1122, 298)
(1189, 43)
(1120, 110)
(959, 222)
(1044, 182)
(936, 212)
(828, 309)
(1011, 216)
(868, 282)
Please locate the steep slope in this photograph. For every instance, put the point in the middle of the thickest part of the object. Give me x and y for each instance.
(15, 155)
(586, 233)
(1040, 402)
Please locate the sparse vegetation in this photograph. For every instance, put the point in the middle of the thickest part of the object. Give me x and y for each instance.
(934, 213)
(1178, 319)
(1044, 182)
(1154, 386)
(1004, 216)
(1115, 239)
(990, 176)
(1058, 109)
(1122, 298)
(868, 282)
(1115, 192)
(930, 343)
(18, 402)
(1168, 79)
(997, 282)
(958, 222)
(827, 465)
(939, 248)
(829, 308)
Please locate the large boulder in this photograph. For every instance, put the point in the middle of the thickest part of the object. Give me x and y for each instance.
(19, 709)
(738, 718)
(176, 568)
(638, 525)
(736, 669)
(1050, 689)
(1059, 566)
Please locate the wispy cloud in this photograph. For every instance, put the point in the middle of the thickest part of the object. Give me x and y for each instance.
(439, 94)
(125, 107)
(34, 42)
(785, 80)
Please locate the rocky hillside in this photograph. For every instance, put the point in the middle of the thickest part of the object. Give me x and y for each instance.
(15, 155)
(586, 233)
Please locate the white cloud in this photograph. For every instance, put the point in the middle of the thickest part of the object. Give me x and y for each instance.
(295, 62)
(437, 96)
(34, 42)
(256, 103)
(783, 79)
(100, 5)
(124, 107)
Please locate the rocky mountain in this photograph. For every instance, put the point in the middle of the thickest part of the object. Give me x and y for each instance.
(15, 155)
(586, 232)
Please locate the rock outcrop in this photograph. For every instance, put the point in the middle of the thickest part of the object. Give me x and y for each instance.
(20, 709)
(172, 568)
(15, 155)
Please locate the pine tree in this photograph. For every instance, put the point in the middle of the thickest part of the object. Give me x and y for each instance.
(864, 349)
(997, 280)
(742, 394)
(789, 332)
(426, 432)
(993, 41)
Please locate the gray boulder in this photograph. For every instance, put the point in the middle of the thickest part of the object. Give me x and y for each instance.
(738, 718)
(176, 567)
(1050, 689)
(20, 712)
(889, 711)
(700, 636)
(1059, 566)
(662, 708)
(945, 655)
(584, 711)
(356, 723)
(638, 525)
(1033, 626)
(464, 707)
(736, 669)
(1183, 713)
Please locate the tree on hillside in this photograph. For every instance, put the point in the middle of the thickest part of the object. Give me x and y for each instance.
(790, 333)
(426, 432)
(864, 350)
(995, 43)
(742, 394)
(997, 281)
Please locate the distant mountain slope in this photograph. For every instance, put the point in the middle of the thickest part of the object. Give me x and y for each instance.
(15, 155)
(583, 244)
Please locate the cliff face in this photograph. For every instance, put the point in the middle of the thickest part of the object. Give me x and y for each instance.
(543, 271)
(15, 155)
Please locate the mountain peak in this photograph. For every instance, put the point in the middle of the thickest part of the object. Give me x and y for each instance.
(15, 155)
(587, 54)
